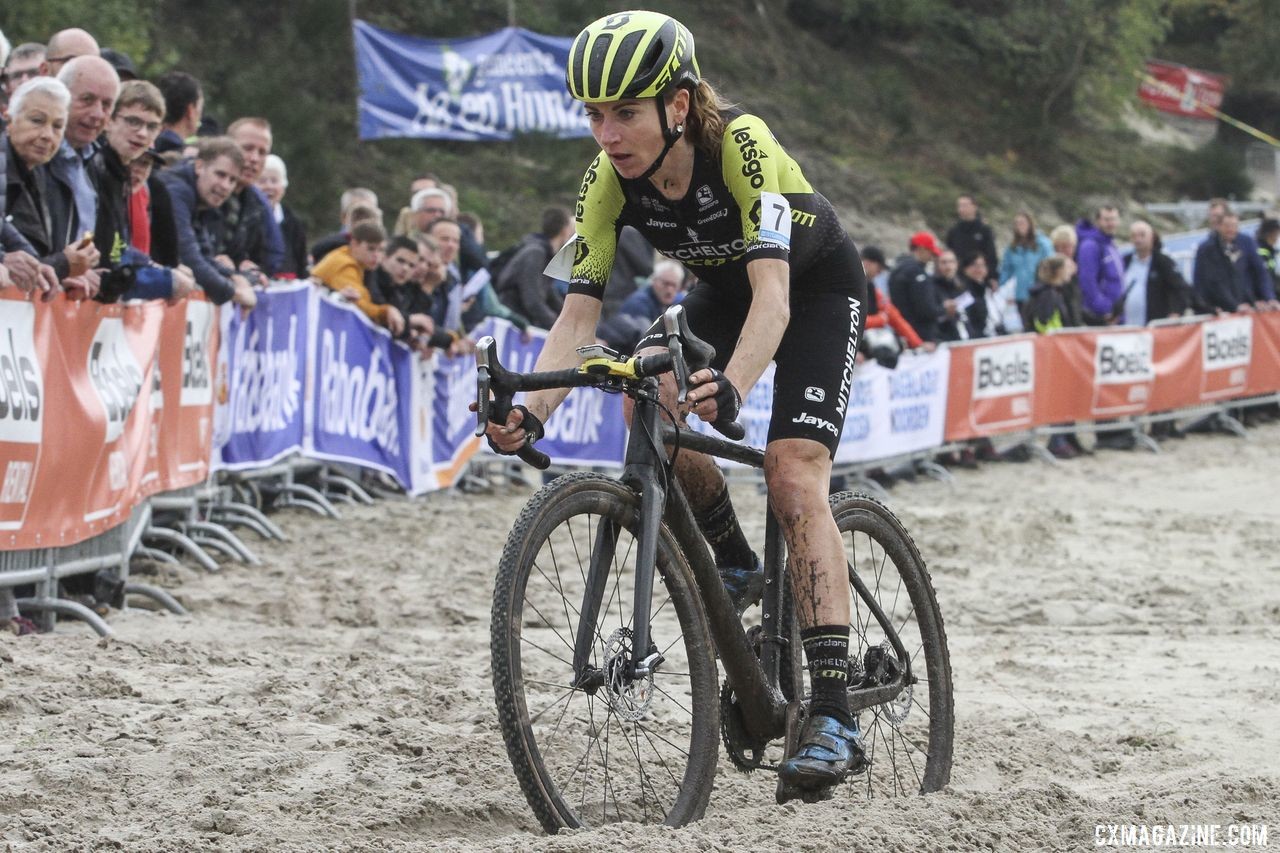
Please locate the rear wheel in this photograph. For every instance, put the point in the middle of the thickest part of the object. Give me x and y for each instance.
(608, 747)
(909, 738)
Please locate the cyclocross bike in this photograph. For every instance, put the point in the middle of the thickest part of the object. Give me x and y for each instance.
(607, 684)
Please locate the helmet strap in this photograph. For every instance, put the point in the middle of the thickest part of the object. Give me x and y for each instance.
(670, 136)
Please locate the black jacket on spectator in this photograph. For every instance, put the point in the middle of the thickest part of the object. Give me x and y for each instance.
(11, 239)
(976, 313)
(295, 244)
(29, 199)
(1219, 281)
(913, 291)
(949, 328)
(199, 230)
(523, 287)
(244, 229)
(111, 233)
(471, 255)
(1167, 291)
(164, 232)
(974, 235)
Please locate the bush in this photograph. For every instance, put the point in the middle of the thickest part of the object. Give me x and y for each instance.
(1214, 170)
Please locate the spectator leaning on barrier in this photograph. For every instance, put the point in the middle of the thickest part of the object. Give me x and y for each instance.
(521, 283)
(151, 226)
(19, 266)
(1065, 242)
(881, 312)
(94, 88)
(1153, 287)
(343, 271)
(251, 233)
(273, 182)
(38, 115)
(911, 288)
(974, 279)
(951, 294)
(1229, 273)
(1099, 266)
(197, 190)
(66, 45)
(971, 234)
(130, 273)
(1268, 241)
(1023, 256)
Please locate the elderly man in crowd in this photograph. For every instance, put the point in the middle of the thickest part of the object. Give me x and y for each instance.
(251, 236)
(38, 118)
(198, 190)
(94, 87)
(274, 183)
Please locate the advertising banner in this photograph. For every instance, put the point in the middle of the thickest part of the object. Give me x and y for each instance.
(363, 389)
(100, 407)
(485, 88)
(262, 378)
(1182, 91)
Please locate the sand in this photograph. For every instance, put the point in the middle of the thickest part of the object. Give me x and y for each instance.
(1113, 622)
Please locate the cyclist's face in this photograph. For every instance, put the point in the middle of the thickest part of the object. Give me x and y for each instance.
(629, 132)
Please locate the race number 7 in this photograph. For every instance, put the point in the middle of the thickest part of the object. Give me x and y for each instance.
(775, 219)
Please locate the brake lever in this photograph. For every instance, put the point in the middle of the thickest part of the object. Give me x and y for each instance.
(485, 349)
(672, 322)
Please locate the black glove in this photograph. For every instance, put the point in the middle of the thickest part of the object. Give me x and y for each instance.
(728, 403)
(533, 430)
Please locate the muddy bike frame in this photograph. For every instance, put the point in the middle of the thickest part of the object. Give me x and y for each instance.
(646, 471)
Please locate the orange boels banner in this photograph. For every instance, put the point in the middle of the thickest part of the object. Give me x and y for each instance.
(103, 405)
(992, 387)
(1011, 384)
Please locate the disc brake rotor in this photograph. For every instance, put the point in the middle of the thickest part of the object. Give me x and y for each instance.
(628, 696)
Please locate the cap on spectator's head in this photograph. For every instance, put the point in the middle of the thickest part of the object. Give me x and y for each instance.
(1269, 226)
(156, 159)
(925, 240)
(873, 253)
(121, 63)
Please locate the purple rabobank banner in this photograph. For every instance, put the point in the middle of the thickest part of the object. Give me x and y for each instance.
(263, 377)
(587, 428)
(363, 389)
(489, 87)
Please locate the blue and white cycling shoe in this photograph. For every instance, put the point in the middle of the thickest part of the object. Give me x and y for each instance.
(744, 585)
(828, 752)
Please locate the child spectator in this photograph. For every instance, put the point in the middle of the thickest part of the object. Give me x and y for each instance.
(343, 271)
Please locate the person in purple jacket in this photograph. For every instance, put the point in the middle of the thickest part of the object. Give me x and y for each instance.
(1101, 269)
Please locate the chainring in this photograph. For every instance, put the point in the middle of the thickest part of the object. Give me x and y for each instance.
(746, 753)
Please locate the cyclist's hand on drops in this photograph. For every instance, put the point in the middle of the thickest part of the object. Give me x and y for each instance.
(712, 396)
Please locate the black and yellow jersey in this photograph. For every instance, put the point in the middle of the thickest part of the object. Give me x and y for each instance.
(754, 203)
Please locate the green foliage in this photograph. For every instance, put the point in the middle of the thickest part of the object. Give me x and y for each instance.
(125, 25)
(1216, 170)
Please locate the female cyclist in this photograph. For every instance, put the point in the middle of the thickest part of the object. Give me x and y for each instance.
(778, 280)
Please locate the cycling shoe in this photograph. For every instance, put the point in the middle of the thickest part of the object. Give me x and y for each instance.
(828, 752)
(745, 586)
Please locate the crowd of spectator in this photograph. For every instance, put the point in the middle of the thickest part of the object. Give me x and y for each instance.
(116, 188)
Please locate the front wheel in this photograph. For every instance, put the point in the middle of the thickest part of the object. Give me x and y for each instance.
(600, 745)
(909, 738)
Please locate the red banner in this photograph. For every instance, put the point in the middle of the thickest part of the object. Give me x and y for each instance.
(1015, 383)
(1182, 91)
(100, 407)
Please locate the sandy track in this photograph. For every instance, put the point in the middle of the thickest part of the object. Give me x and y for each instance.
(1113, 624)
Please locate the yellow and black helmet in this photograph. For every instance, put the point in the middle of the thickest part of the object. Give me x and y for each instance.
(631, 55)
